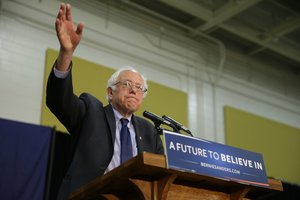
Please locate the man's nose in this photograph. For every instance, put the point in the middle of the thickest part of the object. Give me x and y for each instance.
(133, 89)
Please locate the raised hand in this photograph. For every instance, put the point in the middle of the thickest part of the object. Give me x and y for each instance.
(68, 37)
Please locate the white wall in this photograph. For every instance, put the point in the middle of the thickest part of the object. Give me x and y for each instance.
(27, 30)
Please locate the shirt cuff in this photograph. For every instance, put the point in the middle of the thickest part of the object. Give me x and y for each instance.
(61, 74)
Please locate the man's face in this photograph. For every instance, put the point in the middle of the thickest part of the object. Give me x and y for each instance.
(127, 99)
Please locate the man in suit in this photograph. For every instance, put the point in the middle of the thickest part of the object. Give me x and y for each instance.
(96, 129)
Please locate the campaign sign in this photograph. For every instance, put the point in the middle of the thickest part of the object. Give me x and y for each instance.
(204, 157)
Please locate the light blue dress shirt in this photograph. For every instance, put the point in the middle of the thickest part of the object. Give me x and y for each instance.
(116, 159)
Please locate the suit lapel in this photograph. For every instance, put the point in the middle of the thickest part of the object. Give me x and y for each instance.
(138, 128)
(111, 120)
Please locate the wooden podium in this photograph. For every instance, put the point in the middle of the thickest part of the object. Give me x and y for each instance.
(146, 177)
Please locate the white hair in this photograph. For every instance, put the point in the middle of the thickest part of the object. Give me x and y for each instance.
(111, 83)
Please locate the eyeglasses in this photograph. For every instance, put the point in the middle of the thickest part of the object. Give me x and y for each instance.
(129, 85)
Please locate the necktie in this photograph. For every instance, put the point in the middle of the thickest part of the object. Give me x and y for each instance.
(126, 145)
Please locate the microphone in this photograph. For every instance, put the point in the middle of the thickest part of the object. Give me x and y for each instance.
(177, 125)
(158, 120)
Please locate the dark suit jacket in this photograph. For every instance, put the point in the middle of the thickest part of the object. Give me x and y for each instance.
(92, 126)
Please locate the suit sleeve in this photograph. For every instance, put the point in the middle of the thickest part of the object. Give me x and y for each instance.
(63, 103)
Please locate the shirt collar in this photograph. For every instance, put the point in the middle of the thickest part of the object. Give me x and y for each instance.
(118, 116)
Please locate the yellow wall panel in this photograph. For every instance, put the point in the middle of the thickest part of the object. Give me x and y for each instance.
(279, 143)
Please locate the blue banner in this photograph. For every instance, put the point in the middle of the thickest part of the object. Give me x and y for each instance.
(204, 157)
(24, 155)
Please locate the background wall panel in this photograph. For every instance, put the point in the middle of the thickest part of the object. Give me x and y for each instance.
(278, 142)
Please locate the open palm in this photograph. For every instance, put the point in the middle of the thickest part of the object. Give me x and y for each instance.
(68, 37)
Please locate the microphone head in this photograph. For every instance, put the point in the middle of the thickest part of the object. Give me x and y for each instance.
(155, 118)
(145, 113)
(158, 120)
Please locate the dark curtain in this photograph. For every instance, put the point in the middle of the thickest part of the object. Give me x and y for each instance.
(62, 152)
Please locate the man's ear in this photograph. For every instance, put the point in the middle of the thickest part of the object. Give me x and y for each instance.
(109, 92)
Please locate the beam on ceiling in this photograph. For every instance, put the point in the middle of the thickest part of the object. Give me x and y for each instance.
(228, 11)
(275, 33)
(212, 19)
(225, 13)
(286, 51)
(190, 7)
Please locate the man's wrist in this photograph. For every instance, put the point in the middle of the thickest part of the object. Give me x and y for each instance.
(61, 74)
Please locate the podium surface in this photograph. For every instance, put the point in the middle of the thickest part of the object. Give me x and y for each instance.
(146, 177)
